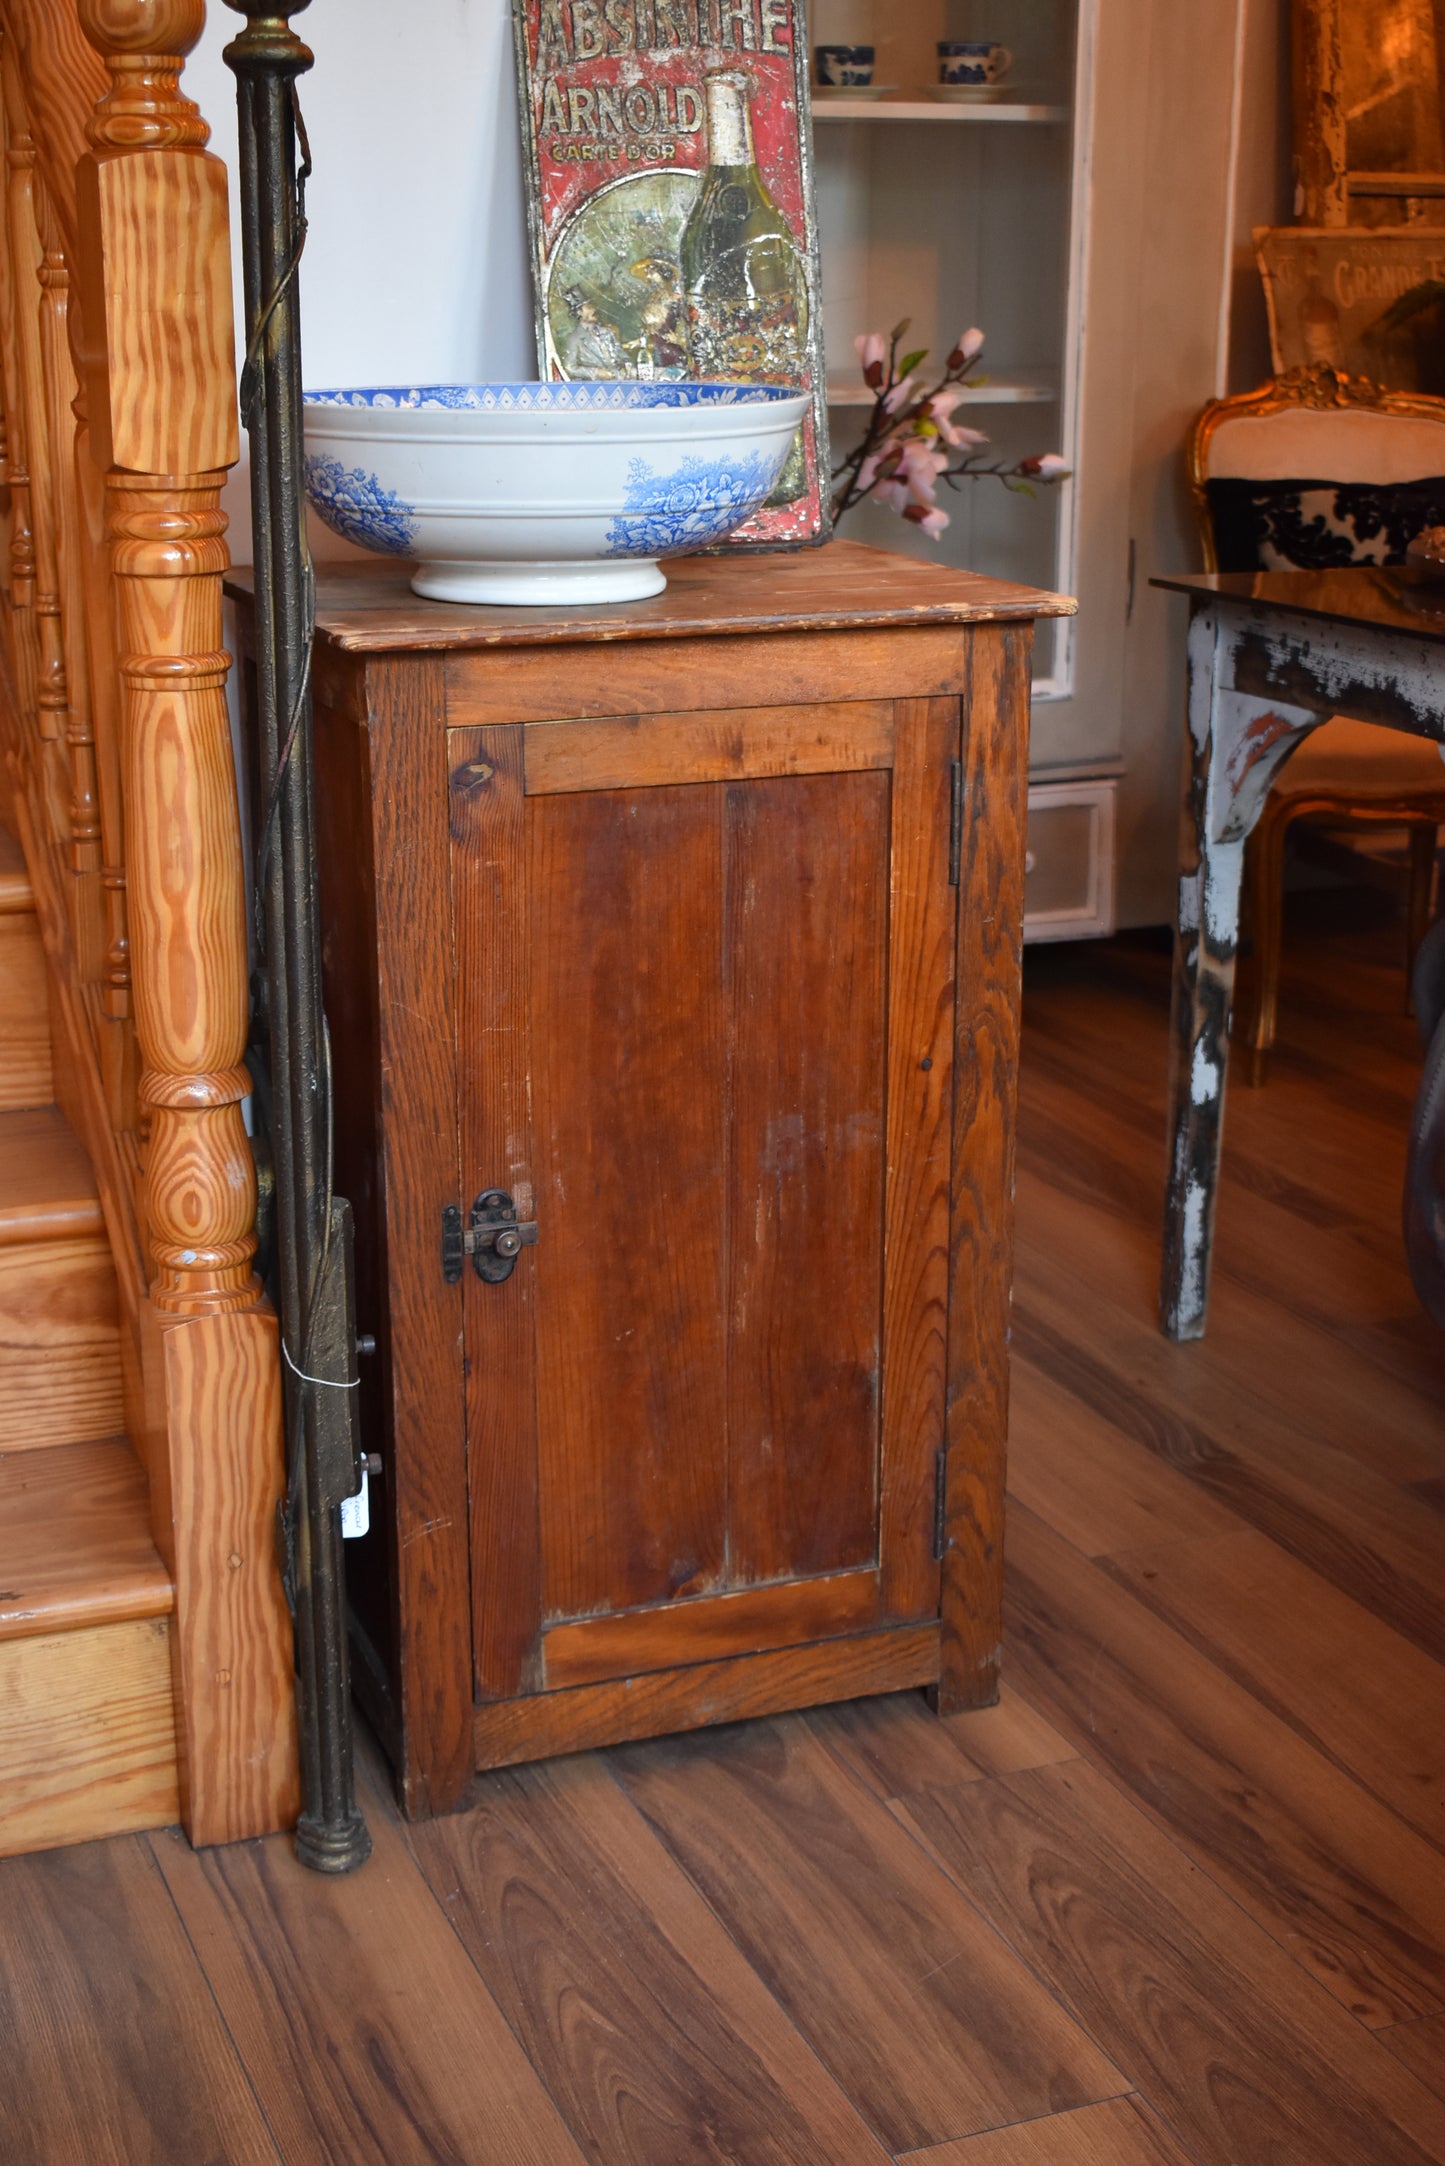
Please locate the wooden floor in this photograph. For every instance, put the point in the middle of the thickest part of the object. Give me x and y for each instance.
(1181, 1897)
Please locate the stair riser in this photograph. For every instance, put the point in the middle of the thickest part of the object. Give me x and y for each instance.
(60, 1357)
(25, 1067)
(87, 1736)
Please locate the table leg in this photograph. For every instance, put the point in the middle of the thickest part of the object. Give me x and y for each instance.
(1205, 946)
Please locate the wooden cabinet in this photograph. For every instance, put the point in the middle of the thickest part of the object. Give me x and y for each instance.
(672, 957)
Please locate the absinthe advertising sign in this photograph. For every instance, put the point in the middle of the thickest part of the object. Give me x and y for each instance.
(670, 201)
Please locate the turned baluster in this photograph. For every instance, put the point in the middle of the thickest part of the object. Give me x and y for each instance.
(52, 702)
(22, 531)
(156, 260)
(80, 738)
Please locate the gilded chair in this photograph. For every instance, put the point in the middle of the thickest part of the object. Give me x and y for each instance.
(1312, 471)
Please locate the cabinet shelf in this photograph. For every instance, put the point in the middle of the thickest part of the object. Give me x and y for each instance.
(998, 391)
(931, 109)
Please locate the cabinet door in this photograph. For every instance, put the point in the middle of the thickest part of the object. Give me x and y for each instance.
(705, 988)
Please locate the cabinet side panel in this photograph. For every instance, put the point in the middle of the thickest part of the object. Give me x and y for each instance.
(347, 904)
(628, 1079)
(990, 963)
(806, 969)
(921, 949)
(421, 1174)
(489, 918)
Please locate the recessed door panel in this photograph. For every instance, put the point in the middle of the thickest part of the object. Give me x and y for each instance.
(725, 1101)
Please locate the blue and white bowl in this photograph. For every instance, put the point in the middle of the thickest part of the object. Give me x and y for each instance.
(533, 494)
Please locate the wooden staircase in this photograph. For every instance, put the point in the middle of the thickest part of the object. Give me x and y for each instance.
(87, 1722)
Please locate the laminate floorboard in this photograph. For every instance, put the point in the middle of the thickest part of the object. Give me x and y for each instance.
(659, 2043)
(1247, 2058)
(1179, 1900)
(1334, 1875)
(1321, 1661)
(112, 2052)
(1421, 2046)
(925, 2016)
(1120, 2132)
(369, 2036)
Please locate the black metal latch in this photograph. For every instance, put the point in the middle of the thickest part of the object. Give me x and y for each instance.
(494, 1239)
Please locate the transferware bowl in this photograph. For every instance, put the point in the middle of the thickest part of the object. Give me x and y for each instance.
(545, 493)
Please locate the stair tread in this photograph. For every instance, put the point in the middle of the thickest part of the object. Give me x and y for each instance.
(47, 1188)
(75, 1540)
(15, 893)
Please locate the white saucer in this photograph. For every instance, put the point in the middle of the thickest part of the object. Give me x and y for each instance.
(836, 92)
(972, 93)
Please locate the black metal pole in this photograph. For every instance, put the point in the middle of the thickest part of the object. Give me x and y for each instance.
(313, 1244)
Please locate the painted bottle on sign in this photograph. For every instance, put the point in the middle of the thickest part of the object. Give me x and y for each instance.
(742, 274)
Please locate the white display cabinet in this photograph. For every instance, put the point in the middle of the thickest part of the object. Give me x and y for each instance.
(958, 214)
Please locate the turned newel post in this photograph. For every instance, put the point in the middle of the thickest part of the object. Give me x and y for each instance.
(160, 380)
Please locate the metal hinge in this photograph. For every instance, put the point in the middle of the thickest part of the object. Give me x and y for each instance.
(494, 1238)
(955, 824)
(940, 1506)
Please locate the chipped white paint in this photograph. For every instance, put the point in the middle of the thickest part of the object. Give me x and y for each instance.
(1205, 1078)
(1193, 1256)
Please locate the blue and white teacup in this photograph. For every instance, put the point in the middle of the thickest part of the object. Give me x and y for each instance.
(844, 67)
(972, 63)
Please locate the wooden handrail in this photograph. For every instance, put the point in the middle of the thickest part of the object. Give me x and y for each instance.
(116, 351)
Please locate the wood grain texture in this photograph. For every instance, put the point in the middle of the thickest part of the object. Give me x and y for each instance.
(25, 1072)
(941, 2032)
(1120, 2132)
(491, 905)
(47, 1190)
(656, 2038)
(629, 1038)
(75, 1540)
(1421, 2046)
(1247, 2058)
(366, 2031)
(721, 745)
(1090, 1480)
(805, 967)
(990, 956)
(60, 1368)
(217, 1474)
(1349, 1684)
(779, 668)
(897, 1745)
(94, 1950)
(369, 608)
(426, 1491)
(709, 1628)
(87, 1737)
(1357, 1898)
(922, 944)
(510, 1731)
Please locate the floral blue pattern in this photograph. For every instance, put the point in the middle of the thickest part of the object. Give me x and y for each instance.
(606, 396)
(356, 506)
(699, 502)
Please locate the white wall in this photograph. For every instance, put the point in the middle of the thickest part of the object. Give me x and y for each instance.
(415, 266)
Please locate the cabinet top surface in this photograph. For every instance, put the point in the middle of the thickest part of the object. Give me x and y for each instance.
(369, 608)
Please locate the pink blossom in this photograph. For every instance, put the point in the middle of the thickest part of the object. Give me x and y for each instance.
(872, 353)
(922, 464)
(868, 473)
(894, 494)
(900, 395)
(969, 347)
(941, 406)
(1048, 467)
(932, 522)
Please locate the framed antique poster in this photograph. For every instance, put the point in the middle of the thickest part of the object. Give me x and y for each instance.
(670, 199)
(1367, 300)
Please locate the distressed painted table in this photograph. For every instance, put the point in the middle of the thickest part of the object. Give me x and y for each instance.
(1271, 656)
